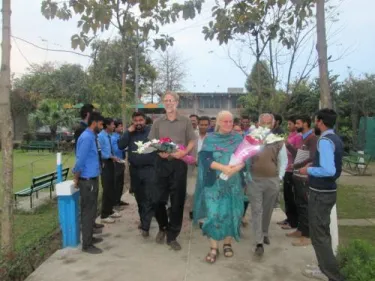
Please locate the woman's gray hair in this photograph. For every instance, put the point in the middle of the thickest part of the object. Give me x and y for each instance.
(266, 115)
(220, 116)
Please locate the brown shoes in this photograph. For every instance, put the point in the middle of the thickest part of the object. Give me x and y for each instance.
(302, 242)
(294, 234)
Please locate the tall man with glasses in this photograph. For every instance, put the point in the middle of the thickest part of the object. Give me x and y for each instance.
(171, 171)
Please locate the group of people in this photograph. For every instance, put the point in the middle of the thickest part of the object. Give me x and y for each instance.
(308, 163)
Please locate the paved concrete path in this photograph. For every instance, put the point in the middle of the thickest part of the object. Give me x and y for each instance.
(127, 256)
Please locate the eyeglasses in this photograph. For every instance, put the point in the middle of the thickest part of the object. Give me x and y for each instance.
(169, 101)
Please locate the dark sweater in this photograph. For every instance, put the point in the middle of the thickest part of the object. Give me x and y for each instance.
(78, 131)
(128, 140)
(309, 144)
(328, 183)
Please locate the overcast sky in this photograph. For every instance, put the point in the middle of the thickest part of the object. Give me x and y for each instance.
(209, 69)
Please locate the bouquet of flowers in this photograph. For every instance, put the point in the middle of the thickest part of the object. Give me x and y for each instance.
(163, 145)
(252, 144)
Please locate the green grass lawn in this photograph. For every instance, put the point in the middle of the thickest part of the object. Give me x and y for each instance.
(348, 233)
(31, 164)
(355, 202)
(31, 228)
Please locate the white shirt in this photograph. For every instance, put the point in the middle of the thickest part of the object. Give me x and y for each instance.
(200, 142)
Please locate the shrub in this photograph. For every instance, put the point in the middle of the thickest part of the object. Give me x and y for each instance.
(357, 261)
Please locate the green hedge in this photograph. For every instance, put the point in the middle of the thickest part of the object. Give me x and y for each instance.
(357, 261)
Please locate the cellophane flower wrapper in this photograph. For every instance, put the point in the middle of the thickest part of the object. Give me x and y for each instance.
(243, 152)
(252, 144)
(163, 145)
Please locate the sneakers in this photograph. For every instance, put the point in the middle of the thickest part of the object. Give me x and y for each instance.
(314, 274)
(108, 220)
(259, 250)
(160, 237)
(92, 250)
(174, 245)
(303, 241)
(116, 215)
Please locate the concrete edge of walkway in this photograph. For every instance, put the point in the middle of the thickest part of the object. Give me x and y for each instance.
(357, 222)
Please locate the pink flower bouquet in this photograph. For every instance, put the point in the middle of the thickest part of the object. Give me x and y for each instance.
(252, 144)
(163, 145)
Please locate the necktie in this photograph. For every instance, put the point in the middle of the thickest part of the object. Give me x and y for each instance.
(99, 153)
(110, 144)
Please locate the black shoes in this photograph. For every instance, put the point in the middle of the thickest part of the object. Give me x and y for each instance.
(98, 225)
(144, 233)
(97, 231)
(174, 245)
(92, 250)
(266, 240)
(259, 250)
(96, 240)
(160, 237)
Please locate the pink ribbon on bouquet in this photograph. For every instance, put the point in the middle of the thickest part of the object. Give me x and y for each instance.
(188, 159)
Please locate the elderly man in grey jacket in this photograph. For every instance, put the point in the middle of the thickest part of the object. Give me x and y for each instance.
(267, 170)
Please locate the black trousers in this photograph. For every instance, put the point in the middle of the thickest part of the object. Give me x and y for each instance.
(301, 189)
(119, 181)
(289, 198)
(142, 181)
(109, 190)
(89, 202)
(320, 206)
(170, 181)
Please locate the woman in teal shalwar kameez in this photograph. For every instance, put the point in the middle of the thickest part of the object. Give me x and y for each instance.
(219, 202)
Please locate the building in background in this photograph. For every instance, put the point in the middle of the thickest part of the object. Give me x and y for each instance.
(207, 104)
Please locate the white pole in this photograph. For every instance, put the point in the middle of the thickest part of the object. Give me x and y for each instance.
(334, 230)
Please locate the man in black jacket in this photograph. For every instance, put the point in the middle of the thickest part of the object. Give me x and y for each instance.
(141, 168)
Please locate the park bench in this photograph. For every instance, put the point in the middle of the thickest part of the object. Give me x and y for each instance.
(39, 145)
(356, 162)
(39, 183)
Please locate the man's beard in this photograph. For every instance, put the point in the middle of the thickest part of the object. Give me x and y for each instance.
(139, 127)
(299, 130)
(317, 131)
(96, 130)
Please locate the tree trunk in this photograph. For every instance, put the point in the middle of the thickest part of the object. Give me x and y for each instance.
(123, 96)
(259, 87)
(137, 72)
(325, 94)
(6, 127)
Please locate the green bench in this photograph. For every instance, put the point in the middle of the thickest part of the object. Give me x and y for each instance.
(356, 162)
(39, 183)
(39, 145)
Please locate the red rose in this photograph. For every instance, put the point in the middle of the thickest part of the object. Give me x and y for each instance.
(252, 140)
(163, 140)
